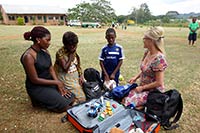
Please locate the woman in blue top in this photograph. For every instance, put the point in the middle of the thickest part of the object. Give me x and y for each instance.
(111, 57)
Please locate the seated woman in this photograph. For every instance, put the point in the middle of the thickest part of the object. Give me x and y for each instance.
(42, 85)
(152, 68)
(67, 66)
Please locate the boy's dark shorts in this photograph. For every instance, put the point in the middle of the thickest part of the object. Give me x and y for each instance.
(192, 37)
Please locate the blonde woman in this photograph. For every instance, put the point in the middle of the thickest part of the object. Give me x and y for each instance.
(152, 68)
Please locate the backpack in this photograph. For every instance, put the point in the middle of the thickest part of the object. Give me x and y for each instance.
(165, 106)
(93, 86)
(119, 92)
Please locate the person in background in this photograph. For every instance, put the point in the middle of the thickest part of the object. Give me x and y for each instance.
(152, 68)
(111, 57)
(193, 26)
(42, 85)
(113, 25)
(68, 67)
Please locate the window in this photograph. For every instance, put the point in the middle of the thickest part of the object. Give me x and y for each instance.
(31, 17)
(39, 17)
(50, 17)
(11, 17)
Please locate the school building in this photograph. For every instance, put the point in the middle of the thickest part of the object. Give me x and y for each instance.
(33, 15)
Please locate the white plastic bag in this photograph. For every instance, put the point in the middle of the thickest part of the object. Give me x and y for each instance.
(110, 84)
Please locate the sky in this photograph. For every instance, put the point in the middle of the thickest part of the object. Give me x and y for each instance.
(122, 7)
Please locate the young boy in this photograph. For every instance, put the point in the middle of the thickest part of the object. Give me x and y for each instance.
(193, 26)
(111, 57)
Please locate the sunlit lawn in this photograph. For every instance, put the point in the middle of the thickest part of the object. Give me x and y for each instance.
(17, 114)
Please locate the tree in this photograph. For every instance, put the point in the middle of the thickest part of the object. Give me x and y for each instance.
(142, 14)
(103, 11)
(1, 17)
(121, 18)
(99, 10)
(82, 11)
(134, 14)
(165, 19)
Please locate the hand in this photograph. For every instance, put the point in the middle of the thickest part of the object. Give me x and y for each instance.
(81, 79)
(132, 80)
(123, 100)
(112, 76)
(67, 93)
(71, 56)
(139, 89)
(61, 88)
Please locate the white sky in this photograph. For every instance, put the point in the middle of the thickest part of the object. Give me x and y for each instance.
(122, 7)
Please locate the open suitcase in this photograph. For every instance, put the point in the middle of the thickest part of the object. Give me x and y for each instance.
(100, 115)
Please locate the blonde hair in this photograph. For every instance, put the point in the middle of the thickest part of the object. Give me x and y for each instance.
(157, 34)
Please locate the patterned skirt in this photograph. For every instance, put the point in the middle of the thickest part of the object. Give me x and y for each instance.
(71, 82)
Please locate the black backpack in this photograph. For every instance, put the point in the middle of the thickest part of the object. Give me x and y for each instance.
(165, 106)
(93, 87)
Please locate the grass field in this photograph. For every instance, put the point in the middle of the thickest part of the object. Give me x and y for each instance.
(17, 114)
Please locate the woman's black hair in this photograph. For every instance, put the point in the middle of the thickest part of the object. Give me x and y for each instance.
(36, 32)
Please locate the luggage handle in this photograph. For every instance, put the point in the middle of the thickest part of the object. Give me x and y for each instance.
(118, 125)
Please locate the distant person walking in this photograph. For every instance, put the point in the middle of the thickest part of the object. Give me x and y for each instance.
(193, 26)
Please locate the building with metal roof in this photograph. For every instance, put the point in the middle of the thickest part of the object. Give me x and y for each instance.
(36, 14)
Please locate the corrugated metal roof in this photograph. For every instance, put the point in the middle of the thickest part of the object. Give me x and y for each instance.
(32, 9)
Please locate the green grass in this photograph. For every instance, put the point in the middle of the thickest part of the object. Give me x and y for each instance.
(17, 114)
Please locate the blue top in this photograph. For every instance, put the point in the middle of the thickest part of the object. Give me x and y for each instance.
(111, 55)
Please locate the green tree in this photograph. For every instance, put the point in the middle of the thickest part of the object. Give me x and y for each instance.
(133, 15)
(103, 11)
(98, 11)
(121, 18)
(165, 19)
(1, 17)
(142, 14)
(82, 11)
